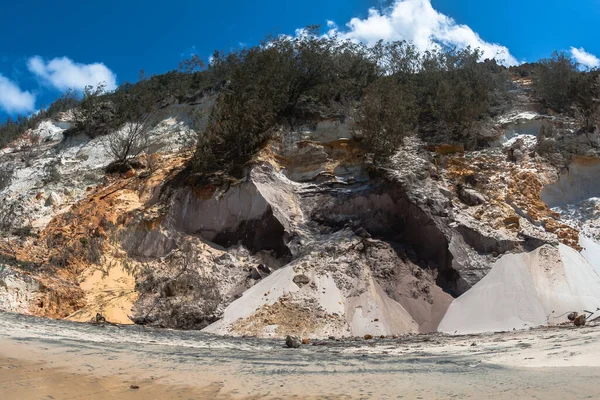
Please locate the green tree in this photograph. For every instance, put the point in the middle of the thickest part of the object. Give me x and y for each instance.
(553, 78)
(280, 82)
(585, 92)
(95, 115)
(455, 90)
(387, 115)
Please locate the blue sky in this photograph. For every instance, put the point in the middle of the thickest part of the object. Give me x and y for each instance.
(46, 47)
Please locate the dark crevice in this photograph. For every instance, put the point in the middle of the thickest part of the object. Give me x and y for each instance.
(485, 244)
(385, 212)
(265, 233)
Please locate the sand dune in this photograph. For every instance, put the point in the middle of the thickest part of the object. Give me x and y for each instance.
(526, 290)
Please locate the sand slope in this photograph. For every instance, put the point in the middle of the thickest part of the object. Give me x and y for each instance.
(274, 306)
(526, 290)
(340, 296)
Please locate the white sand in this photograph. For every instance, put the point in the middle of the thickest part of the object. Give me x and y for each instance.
(267, 291)
(591, 251)
(363, 309)
(526, 290)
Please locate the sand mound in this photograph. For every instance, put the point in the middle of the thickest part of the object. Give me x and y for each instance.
(337, 291)
(526, 290)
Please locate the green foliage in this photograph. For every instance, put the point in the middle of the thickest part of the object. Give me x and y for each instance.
(563, 87)
(95, 114)
(68, 101)
(262, 91)
(290, 80)
(388, 113)
(283, 81)
(553, 79)
(134, 115)
(585, 92)
(400, 59)
(523, 71)
(455, 90)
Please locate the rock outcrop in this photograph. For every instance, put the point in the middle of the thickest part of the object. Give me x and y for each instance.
(311, 240)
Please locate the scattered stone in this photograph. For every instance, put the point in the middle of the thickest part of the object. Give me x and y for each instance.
(305, 341)
(580, 320)
(331, 338)
(134, 387)
(445, 192)
(53, 200)
(473, 344)
(515, 152)
(572, 316)
(368, 337)
(470, 196)
(512, 222)
(264, 268)
(301, 280)
(254, 274)
(292, 342)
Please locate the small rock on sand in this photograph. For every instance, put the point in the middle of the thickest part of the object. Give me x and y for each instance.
(293, 342)
(572, 316)
(580, 320)
(301, 280)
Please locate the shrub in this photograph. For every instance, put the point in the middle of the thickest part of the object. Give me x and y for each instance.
(455, 90)
(546, 142)
(585, 92)
(553, 78)
(387, 114)
(95, 115)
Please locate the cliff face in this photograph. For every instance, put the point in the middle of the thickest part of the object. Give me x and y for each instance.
(311, 241)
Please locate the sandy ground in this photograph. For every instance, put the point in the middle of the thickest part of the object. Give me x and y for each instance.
(42, 359)
(110, 291)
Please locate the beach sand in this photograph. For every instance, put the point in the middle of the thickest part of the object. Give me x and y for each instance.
(44, 359)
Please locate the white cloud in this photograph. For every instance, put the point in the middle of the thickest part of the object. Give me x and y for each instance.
(418, 22)
(62, 73)
(584, 58)
(13, 99)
